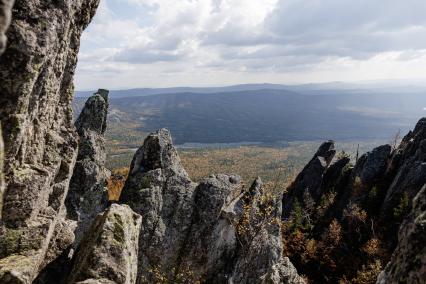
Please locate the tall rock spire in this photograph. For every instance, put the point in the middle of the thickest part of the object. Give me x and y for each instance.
(88, 195)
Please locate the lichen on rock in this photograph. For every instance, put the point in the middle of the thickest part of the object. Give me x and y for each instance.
(190, 232)
(5, 15)
(40, 143)
(88, 195)
(108, 252)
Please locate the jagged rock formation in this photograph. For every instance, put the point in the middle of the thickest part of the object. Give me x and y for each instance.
(310, 179)
(393, 172)
(408, 263)
(216, 231)
(259, 234)
(368, 199)
(408, 167)
(192, 232)
(185, 226)
(108, 252)
(36, 72)
(88, 195)
(5, 13)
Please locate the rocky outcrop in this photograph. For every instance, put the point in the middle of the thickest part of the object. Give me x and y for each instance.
(5, 13)
(172, 229)
(408, 263)
(160, 190)
(88, 195)
(108, 252)
(408, 165)
(371, 167)
(188, 231)
(310, 179)
(394, 173)
(368, 201)
(36, 75)
(195, 232)
(259, 233)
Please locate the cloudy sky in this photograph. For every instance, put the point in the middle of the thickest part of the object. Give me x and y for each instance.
(164, 43)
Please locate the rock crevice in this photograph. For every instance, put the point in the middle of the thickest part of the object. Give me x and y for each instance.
(88, 195)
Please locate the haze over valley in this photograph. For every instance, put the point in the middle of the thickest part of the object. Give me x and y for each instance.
(266, 113)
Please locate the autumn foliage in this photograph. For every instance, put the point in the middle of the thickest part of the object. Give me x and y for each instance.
(116, 183)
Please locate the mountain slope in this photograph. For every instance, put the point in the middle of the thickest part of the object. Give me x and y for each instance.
(266, 115)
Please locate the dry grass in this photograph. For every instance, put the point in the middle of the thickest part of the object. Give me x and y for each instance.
(116, 183)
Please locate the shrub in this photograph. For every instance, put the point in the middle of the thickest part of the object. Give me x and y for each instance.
(372, 247)
(368, 274)
(115, 184)
(402, 209)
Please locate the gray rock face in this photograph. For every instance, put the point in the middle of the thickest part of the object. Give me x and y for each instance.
(88, 195)
(372, 166)
(408, 263)
(410, 164)
(36, 74)
(310, 178)
(160, 190)
(381, 185)
(216, 231)
(1, 172)
(260, 254)
(191, 232)
(5, 14)
(108, 252)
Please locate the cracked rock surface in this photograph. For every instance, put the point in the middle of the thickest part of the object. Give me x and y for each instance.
(36, 75)
(88, 195)
(194, 231)
(108, 252)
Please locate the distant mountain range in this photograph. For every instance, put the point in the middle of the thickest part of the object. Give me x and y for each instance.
(208, 90)
(266, 112)
(310, 89)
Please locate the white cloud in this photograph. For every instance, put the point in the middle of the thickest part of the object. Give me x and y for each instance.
(236, 41)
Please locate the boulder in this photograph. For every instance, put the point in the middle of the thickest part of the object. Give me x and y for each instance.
(108, 252)
(372, 166)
